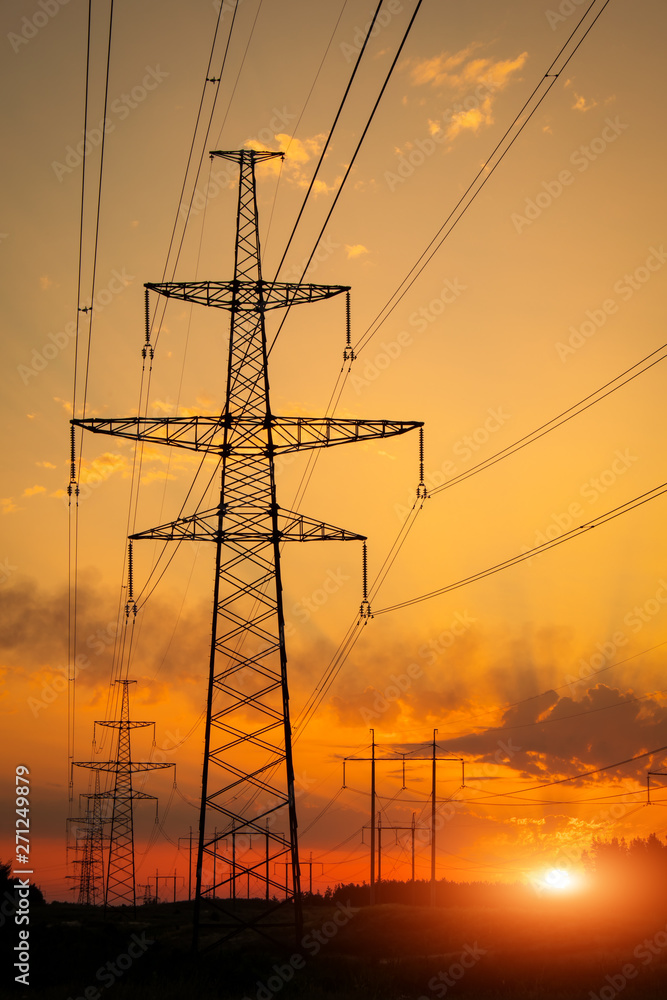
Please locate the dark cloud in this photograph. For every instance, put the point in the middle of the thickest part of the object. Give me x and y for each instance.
(169, 643)
(558, 736)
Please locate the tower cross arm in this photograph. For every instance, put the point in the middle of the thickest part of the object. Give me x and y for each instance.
(296, 434)
(247, 435)
(248, 526)
(112, 766)
(245, 296)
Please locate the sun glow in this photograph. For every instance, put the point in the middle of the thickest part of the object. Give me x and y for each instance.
(558, 878)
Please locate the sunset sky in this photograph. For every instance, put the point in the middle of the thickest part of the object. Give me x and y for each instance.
(549, 287)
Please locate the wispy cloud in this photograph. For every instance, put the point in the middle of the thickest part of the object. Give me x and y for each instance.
(103, 466)
(470, 84)
(358, 250)
(459, 73)
(581, 104)
(298, 165)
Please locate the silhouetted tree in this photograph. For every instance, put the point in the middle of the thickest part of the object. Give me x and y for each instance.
(635, 870)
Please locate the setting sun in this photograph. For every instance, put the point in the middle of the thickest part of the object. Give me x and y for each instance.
(558, 878)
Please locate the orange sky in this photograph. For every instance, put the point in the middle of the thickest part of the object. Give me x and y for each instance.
(549, 287)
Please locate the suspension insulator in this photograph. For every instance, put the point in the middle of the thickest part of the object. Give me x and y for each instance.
(73, 486)
(147, 350)
(131, 606)
(422, 492)
(365, 608)
(348, 353)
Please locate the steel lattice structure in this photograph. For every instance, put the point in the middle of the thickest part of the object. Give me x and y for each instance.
(248, 772)
(91, 875)
(120, 886)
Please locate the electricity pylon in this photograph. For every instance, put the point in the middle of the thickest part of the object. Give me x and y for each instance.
(89, 845)
(120, 884)
(248, 771)
(91, 876)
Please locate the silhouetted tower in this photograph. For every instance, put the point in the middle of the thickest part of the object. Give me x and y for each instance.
(120, 883)
(91, 885)
(89, 845)
(248, 773)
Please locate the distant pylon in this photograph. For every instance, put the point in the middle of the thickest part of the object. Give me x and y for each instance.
(248, 772)
(120, 884)
(91, 885)
(89, 845)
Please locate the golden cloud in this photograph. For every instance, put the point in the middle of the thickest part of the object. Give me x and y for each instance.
(581, 104)
(298, 154)
(479, 79)
(355, 251)
(103, 467)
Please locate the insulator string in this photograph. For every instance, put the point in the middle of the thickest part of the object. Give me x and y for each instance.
(73, 486)
(348, 353)
(365, 608)
(147, 349)
(422, 492)
(131, 606)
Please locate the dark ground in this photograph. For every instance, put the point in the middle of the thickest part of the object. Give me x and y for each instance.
(480, 942)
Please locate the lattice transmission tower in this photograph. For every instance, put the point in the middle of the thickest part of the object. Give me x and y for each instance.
(120, 886)
(90, 845)
(248, 772)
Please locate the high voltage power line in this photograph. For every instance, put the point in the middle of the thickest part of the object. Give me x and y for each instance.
(531, 553)
(557, 421)
(353, 633)
(483, 176)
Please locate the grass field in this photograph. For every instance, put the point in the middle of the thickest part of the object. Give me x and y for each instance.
(495, 942)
